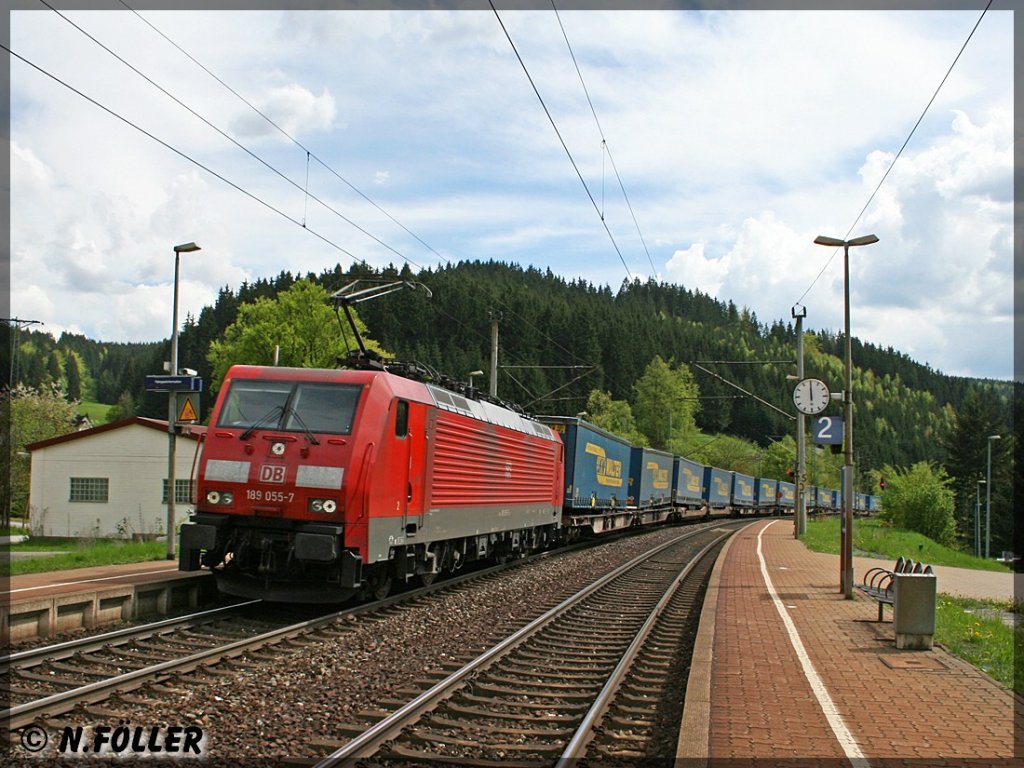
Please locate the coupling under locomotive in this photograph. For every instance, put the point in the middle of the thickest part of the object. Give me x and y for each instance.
(317, 485)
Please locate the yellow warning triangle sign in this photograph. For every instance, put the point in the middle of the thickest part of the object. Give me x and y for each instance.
(188, 412)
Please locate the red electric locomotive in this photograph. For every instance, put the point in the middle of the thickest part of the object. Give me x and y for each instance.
(319, 485)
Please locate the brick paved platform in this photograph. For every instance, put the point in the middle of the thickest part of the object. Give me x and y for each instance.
(796, 674)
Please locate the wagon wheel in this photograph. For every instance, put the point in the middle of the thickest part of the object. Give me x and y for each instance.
(381, 588)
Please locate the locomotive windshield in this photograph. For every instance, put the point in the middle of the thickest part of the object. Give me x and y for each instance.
(290, 406)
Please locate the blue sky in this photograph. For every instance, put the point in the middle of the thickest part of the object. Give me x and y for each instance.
(739, 137)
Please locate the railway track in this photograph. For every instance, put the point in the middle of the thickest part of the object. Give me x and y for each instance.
(596, 675)
(44, 682)
(90, 669)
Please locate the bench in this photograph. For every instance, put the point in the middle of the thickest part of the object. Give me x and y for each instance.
(878, 582)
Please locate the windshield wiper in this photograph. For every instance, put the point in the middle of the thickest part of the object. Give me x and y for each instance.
(309, 433)
(262, 421)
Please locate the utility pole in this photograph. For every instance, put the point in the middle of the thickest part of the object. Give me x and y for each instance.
(16, 324)
(800, 526)
(495, 317)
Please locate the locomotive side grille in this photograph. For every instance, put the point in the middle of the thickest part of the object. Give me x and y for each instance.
(473, 463)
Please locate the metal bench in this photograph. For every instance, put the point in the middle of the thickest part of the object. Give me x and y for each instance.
(878, 584)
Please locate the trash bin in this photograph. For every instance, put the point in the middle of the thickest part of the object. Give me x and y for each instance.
(913, 610)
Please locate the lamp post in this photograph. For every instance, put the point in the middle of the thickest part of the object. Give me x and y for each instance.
(988, 496)
(846, 557)
(800, 517)
(977, 519)
(172, 399)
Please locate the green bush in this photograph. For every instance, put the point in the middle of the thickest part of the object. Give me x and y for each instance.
(920, 499)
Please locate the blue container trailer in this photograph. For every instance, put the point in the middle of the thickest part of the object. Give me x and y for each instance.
(742, 494)
(786, 495)
(717, 489)
(596, 464)
(764, 493)
(650, 478)
(687, 483)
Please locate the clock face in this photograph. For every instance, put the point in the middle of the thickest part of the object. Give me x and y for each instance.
(811, 396)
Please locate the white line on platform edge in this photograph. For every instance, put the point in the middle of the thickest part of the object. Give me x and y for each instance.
(828, 707)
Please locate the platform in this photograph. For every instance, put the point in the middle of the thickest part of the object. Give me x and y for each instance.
(43, 604)
(789, 671)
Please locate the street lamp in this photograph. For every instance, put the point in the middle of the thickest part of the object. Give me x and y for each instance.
(471, 374)
(800, 510)
(846, 556)
(172, 399)
(988, 496)
(977, 519)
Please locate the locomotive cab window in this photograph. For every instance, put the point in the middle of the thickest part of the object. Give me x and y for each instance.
(322, 408)
(290, 406)
(402, 418)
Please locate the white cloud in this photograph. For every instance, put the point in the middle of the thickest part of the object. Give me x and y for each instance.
(723, 126)
(295, 109)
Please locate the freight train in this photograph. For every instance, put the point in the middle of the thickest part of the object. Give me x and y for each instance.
(319, 486)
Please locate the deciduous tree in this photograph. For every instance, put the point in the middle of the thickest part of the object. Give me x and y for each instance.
(299, 323)
(35, 415)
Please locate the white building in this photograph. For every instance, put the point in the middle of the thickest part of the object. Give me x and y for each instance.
(110, 481)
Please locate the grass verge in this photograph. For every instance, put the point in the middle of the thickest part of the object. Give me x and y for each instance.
(975, 631)
(873, 538)
(81, 554)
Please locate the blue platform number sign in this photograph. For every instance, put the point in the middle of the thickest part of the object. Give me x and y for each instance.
(827, 430)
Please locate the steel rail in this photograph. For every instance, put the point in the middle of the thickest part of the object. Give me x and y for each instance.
(24, 714)
(576, 747)
(370, 740)
(32, 656)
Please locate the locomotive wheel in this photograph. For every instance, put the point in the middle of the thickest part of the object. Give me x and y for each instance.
(426, 579)
(381, 588)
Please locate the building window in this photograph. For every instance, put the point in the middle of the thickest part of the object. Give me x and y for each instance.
(90, 489)
(182, 491)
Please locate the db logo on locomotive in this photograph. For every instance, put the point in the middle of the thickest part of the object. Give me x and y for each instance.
(271, 473)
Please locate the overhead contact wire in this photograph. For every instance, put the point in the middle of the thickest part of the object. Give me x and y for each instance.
(230, 138)
(604, 143)
(181, 154)
(309, 154)
(558, 133)
(897, 157)
(288, 136)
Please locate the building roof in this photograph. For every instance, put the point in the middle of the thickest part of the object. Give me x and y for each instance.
(192, 431)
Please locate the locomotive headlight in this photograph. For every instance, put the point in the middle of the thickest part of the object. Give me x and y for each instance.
(220, 498)
(323, 506)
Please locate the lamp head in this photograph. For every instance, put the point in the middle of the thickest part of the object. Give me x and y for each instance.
(834, 241)
(186, 248)
(864, 240)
